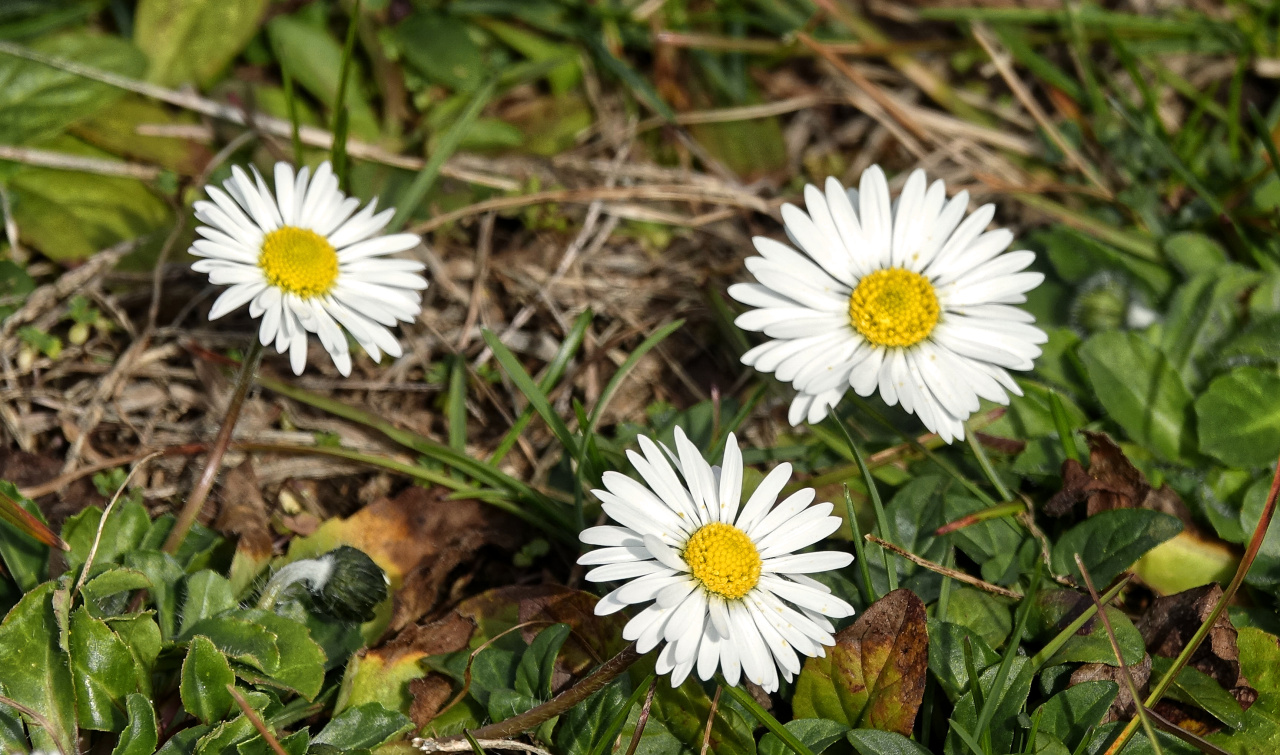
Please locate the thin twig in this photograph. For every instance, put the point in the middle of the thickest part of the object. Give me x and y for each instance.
(711, 718)
(431, 745)
(643, 719)
(39, 720)
(45, 158)
(943, 570)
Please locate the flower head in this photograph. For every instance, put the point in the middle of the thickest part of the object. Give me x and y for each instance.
(728, 590)
(910, 298)
(306, 262)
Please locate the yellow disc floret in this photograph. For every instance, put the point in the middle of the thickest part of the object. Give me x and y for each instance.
(723, 559)
(894, 307)
(299, 261)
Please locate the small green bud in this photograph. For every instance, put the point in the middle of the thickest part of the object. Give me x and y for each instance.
(79, 333)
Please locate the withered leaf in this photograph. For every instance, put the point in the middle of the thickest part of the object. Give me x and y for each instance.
(1112, 482)
(594, 639)
(1123, 707)
(243, 513)
(879, 664)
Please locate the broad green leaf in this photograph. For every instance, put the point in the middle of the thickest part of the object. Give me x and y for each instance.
(1239, 417)
(1197, 688)
(1265, 572)
(994, 540)
(205, 676)
(184, 742)
(946, 655)
(107, 594)
(115, 129)
(1111, 541)
(104, 673)
(506, 703)
(242, 640)
(683, 713)
(38, 101)
(193, 40)
(1055, 609)
(302, 661)
(69, 215)
(1142, 392)
(315, 61)
(1254, 345)
(536, 48)
(816, 733)
(37, 672)
(226, 735)
(1260, 664)
(163, 571)
(1009, 702)
(122, 533)
(583, 725)
(1201, 314)
(140, 736)
(363, 727)
(440, 48)
(876, 670)
(876, 742)
(208, 594)
(982, 613)
(140, 633)
(1194, 253)
(26, 559)
(1070, 714)
(538, 664)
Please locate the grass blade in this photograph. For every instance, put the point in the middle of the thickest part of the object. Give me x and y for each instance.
(536, 396)
(616, 381)
(338, 154)
(882, 521)
(865, 588)
(763, 716)
(457, 404)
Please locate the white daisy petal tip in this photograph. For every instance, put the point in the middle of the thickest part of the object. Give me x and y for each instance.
(924, 294)
(704, 583)
(285, 242)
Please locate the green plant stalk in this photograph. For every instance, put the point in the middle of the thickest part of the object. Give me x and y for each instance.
(1264, 135)
(620, 375)
(292, 99)
(882, 521)
(967, 738)
(1063, 425)
(985, 462)
(1136, 243)
(1069, 631)
(458, 405)
(1251, 553)
(471, 740)
(448, 144)
(532, 393)
(195, 501)
(1006, 663)
(777, 729)
(865, 588)
(340, 115)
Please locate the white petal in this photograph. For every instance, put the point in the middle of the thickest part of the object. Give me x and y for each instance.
(808, 563)
(235, 297)
(763, 497)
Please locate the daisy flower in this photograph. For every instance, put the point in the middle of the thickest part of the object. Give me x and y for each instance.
(728, 590)
(909, 297)
(306, 262)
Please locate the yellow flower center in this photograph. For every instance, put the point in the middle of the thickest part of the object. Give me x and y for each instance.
(894, 307)
(299, 261)
(723, 559)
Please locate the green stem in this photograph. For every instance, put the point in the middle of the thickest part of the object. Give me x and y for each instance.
(745, 699)
(985, 463)
(195, 501)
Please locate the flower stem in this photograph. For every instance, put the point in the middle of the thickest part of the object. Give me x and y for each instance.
(195, 501)
(562, 702)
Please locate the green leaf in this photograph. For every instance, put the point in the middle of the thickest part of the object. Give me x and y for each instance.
(69, 215)
(184, 742)
(1197, 688)
(1072, 713)
(1055, 609)
(140, 736)
(38, 101)
(37, 672)
(876, 742)
(140, 633)
(1111, 541)
(1009, 702)
(104, 673)
(26, 559)
(302, 661)
(315, 61)
(1142, 393)
(683, 713)
(208, 594)
(1201, 314)
(1260, 664)
(1253, 346)
(107, 594)
(536, 48)
(1239, 417)
(982, 613)
(538, 664)
(946, 655)
(1194, 253)
(535, 395)
(584, 726)
(363, 727)
(205, 676)
(440, 48)
(122, 533)
(193, 40)
(816, 733)
(506, 703)
(225, 736)
(241, 640)
(163, 571)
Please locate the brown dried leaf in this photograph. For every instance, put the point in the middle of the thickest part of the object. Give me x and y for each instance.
(879, 664)
(1112, 482)
(429, 694)
(243, 513)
